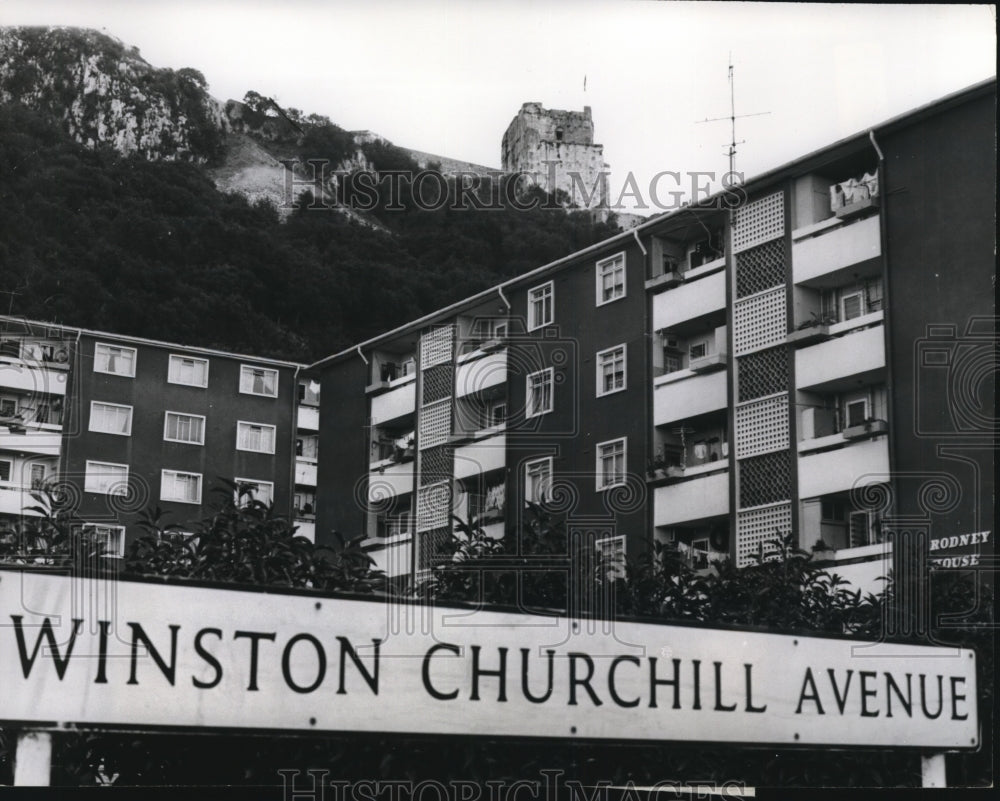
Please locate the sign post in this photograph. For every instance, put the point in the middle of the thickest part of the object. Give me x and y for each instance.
(33, 759)
(932, 771)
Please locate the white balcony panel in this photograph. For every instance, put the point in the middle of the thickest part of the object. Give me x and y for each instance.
(855, 465)
(835, 249)
(481, 457)
(13, 500)
(305, 473)
(308, 418)
(15, 374)
(306, 528)
(849, 355)
(689, 500)
(476, 375)
(689, 300)
(42, 443)
(388, 482)
(391, 556)
(695, 394)
(395, 403)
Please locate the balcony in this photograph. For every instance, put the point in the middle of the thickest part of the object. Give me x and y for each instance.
(694, 499)
(398, 400)
(858, 464)
(827, 247)
(481, 456)
(308, 418)
(480, 370)
(41, 443)
(305, 473)
(858, 354)
(690, 300)
(390, 480)
(683, 394)
(31, 378)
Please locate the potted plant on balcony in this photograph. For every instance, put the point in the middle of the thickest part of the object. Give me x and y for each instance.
(821, 552)
(815, 329)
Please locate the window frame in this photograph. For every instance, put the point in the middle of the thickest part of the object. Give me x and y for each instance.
(694, 344)
(847, 411)
(175, 473)
(90, 421)
(534, 324)
(550, 374)
(135, 359)
(599, 466)
(844, 298)
(258, 483)
(274, 436)
(601, 391)
(599, 275)
(120, 530)
(166, 418)
(548, 462)
(91, 463)
(277, 379)
(170, 363)
(600, 546)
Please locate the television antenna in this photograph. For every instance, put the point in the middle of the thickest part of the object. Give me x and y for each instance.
(733, 116)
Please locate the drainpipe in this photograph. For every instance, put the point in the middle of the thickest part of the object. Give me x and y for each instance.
(906, 612)
(503, 297)
(638, 241)
(294, 459)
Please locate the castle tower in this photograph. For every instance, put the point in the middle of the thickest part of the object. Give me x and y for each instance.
(557, 149)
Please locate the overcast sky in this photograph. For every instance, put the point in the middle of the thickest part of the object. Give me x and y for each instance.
(447, 77)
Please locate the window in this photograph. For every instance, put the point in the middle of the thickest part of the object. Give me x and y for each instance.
(257, 437)
(106, 478)
(611, 555)
(498, 414)
(8, 407)
(37, 476)
(187, 370)
(262, 491)
(110, 418)
(179, 427)
(114, 359)
(6, 470)
(538, 480)
(611, 464)
(832, 509)
(181, 487)
(611, 279)
(610, 370)
(698, 350)
(258, 381)
(540, 306)
(856, 412)
(539, 393)
(110, 539)
(852, 305)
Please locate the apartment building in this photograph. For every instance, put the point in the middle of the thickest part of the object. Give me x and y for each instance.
(120, 424)
(805, 357)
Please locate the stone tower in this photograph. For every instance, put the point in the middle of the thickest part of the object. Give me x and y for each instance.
(557, 149)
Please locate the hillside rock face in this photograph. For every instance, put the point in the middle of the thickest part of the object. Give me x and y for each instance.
(106, 93)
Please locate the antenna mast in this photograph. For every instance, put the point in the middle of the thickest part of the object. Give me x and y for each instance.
(732, 118)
